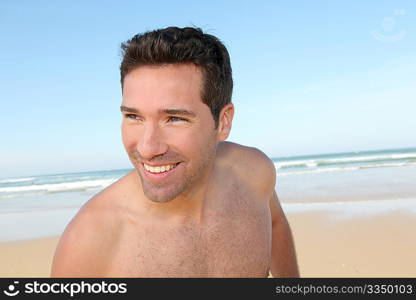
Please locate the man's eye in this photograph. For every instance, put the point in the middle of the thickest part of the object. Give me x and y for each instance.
(176, 119)
(131, 116)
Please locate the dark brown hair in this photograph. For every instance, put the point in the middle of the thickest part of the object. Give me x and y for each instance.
(175, 45)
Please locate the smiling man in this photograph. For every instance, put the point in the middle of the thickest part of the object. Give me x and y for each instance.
(194, 205)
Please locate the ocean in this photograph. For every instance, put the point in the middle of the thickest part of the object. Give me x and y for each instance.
(34, 206)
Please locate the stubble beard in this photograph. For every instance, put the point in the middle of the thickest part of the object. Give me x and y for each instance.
(162, 192)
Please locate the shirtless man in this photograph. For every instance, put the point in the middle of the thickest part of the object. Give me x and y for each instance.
(194, 205)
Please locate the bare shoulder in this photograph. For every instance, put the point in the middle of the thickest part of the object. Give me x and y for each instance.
(93, 229)
(254, 167)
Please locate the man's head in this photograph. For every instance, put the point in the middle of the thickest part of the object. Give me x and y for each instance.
(175, 45)
(176, 108)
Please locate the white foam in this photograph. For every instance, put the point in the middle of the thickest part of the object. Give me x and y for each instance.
(387, 165)
(329, 170)
(60, 187)
(316, 171)
(16, 180)
(283, 164)
(401, 156)
(317, 161)
(368, 158)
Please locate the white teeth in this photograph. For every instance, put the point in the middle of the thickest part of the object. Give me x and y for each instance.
(159, 169)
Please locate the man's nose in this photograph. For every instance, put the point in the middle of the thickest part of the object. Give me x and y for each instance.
(151, 142)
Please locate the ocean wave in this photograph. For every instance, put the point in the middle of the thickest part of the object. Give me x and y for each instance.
(296, 163)
(316, 162)
(59, 187)
(403, 156)
(323, 170)
(12, 180)
(22, 194)
(387, 165)
(340, 169)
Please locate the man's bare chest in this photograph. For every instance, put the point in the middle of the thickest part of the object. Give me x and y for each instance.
(229, 244)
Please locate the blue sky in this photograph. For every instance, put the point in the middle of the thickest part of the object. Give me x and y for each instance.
(310, 76)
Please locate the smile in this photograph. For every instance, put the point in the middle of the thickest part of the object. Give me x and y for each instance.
(159, 169)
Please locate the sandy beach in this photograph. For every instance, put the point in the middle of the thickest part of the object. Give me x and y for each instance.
(365, 246)
(32, 258)
(328, 245)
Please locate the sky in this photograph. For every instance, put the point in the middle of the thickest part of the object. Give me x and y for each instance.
(310, 77)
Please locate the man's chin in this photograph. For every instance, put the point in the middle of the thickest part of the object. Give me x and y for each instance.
(160, 193)
(159, 196)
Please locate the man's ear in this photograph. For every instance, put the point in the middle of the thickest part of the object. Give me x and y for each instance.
(225, 121)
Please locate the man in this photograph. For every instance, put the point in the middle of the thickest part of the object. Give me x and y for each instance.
(194, 205)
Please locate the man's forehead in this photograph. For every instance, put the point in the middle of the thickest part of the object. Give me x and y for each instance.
(165, 82)
(160, 89)
(185, 70)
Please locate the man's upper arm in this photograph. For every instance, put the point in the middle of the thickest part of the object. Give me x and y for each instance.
(263, 175)
(284, 261)
(76, 254)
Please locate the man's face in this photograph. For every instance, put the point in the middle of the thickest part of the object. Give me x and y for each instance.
(168, 132)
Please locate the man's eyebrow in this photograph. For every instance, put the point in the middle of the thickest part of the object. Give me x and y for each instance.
(128, 109)
(179, 112)
(169, 111)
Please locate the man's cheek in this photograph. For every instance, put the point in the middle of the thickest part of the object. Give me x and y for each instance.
(129, 141)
